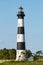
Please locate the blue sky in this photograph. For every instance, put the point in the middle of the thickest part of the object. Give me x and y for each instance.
(33, 23)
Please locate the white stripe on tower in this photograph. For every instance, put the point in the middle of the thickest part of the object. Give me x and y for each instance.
(20, 22)
(20, 38)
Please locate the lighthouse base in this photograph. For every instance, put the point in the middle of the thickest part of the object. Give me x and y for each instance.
(20, 55)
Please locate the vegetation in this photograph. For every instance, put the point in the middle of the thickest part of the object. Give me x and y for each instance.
(10, 54)
(7, 54)
(39, 52)
(27, 54)
(22, 63)
(38, 55)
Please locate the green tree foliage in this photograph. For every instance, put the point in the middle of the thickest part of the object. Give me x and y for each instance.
(1, 54)
(39, 52)
(7, 53)
(27, 54)
(37, 55)
(12, 53)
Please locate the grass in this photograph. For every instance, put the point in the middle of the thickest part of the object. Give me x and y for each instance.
(22, 63)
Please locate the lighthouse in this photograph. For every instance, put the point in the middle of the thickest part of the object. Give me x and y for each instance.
(20, 35)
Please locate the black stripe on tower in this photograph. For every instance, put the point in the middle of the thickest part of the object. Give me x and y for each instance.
(21, 15)
(20, 45)
(20, 30)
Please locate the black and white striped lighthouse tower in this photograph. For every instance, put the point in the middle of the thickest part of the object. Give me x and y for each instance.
(20, 35)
